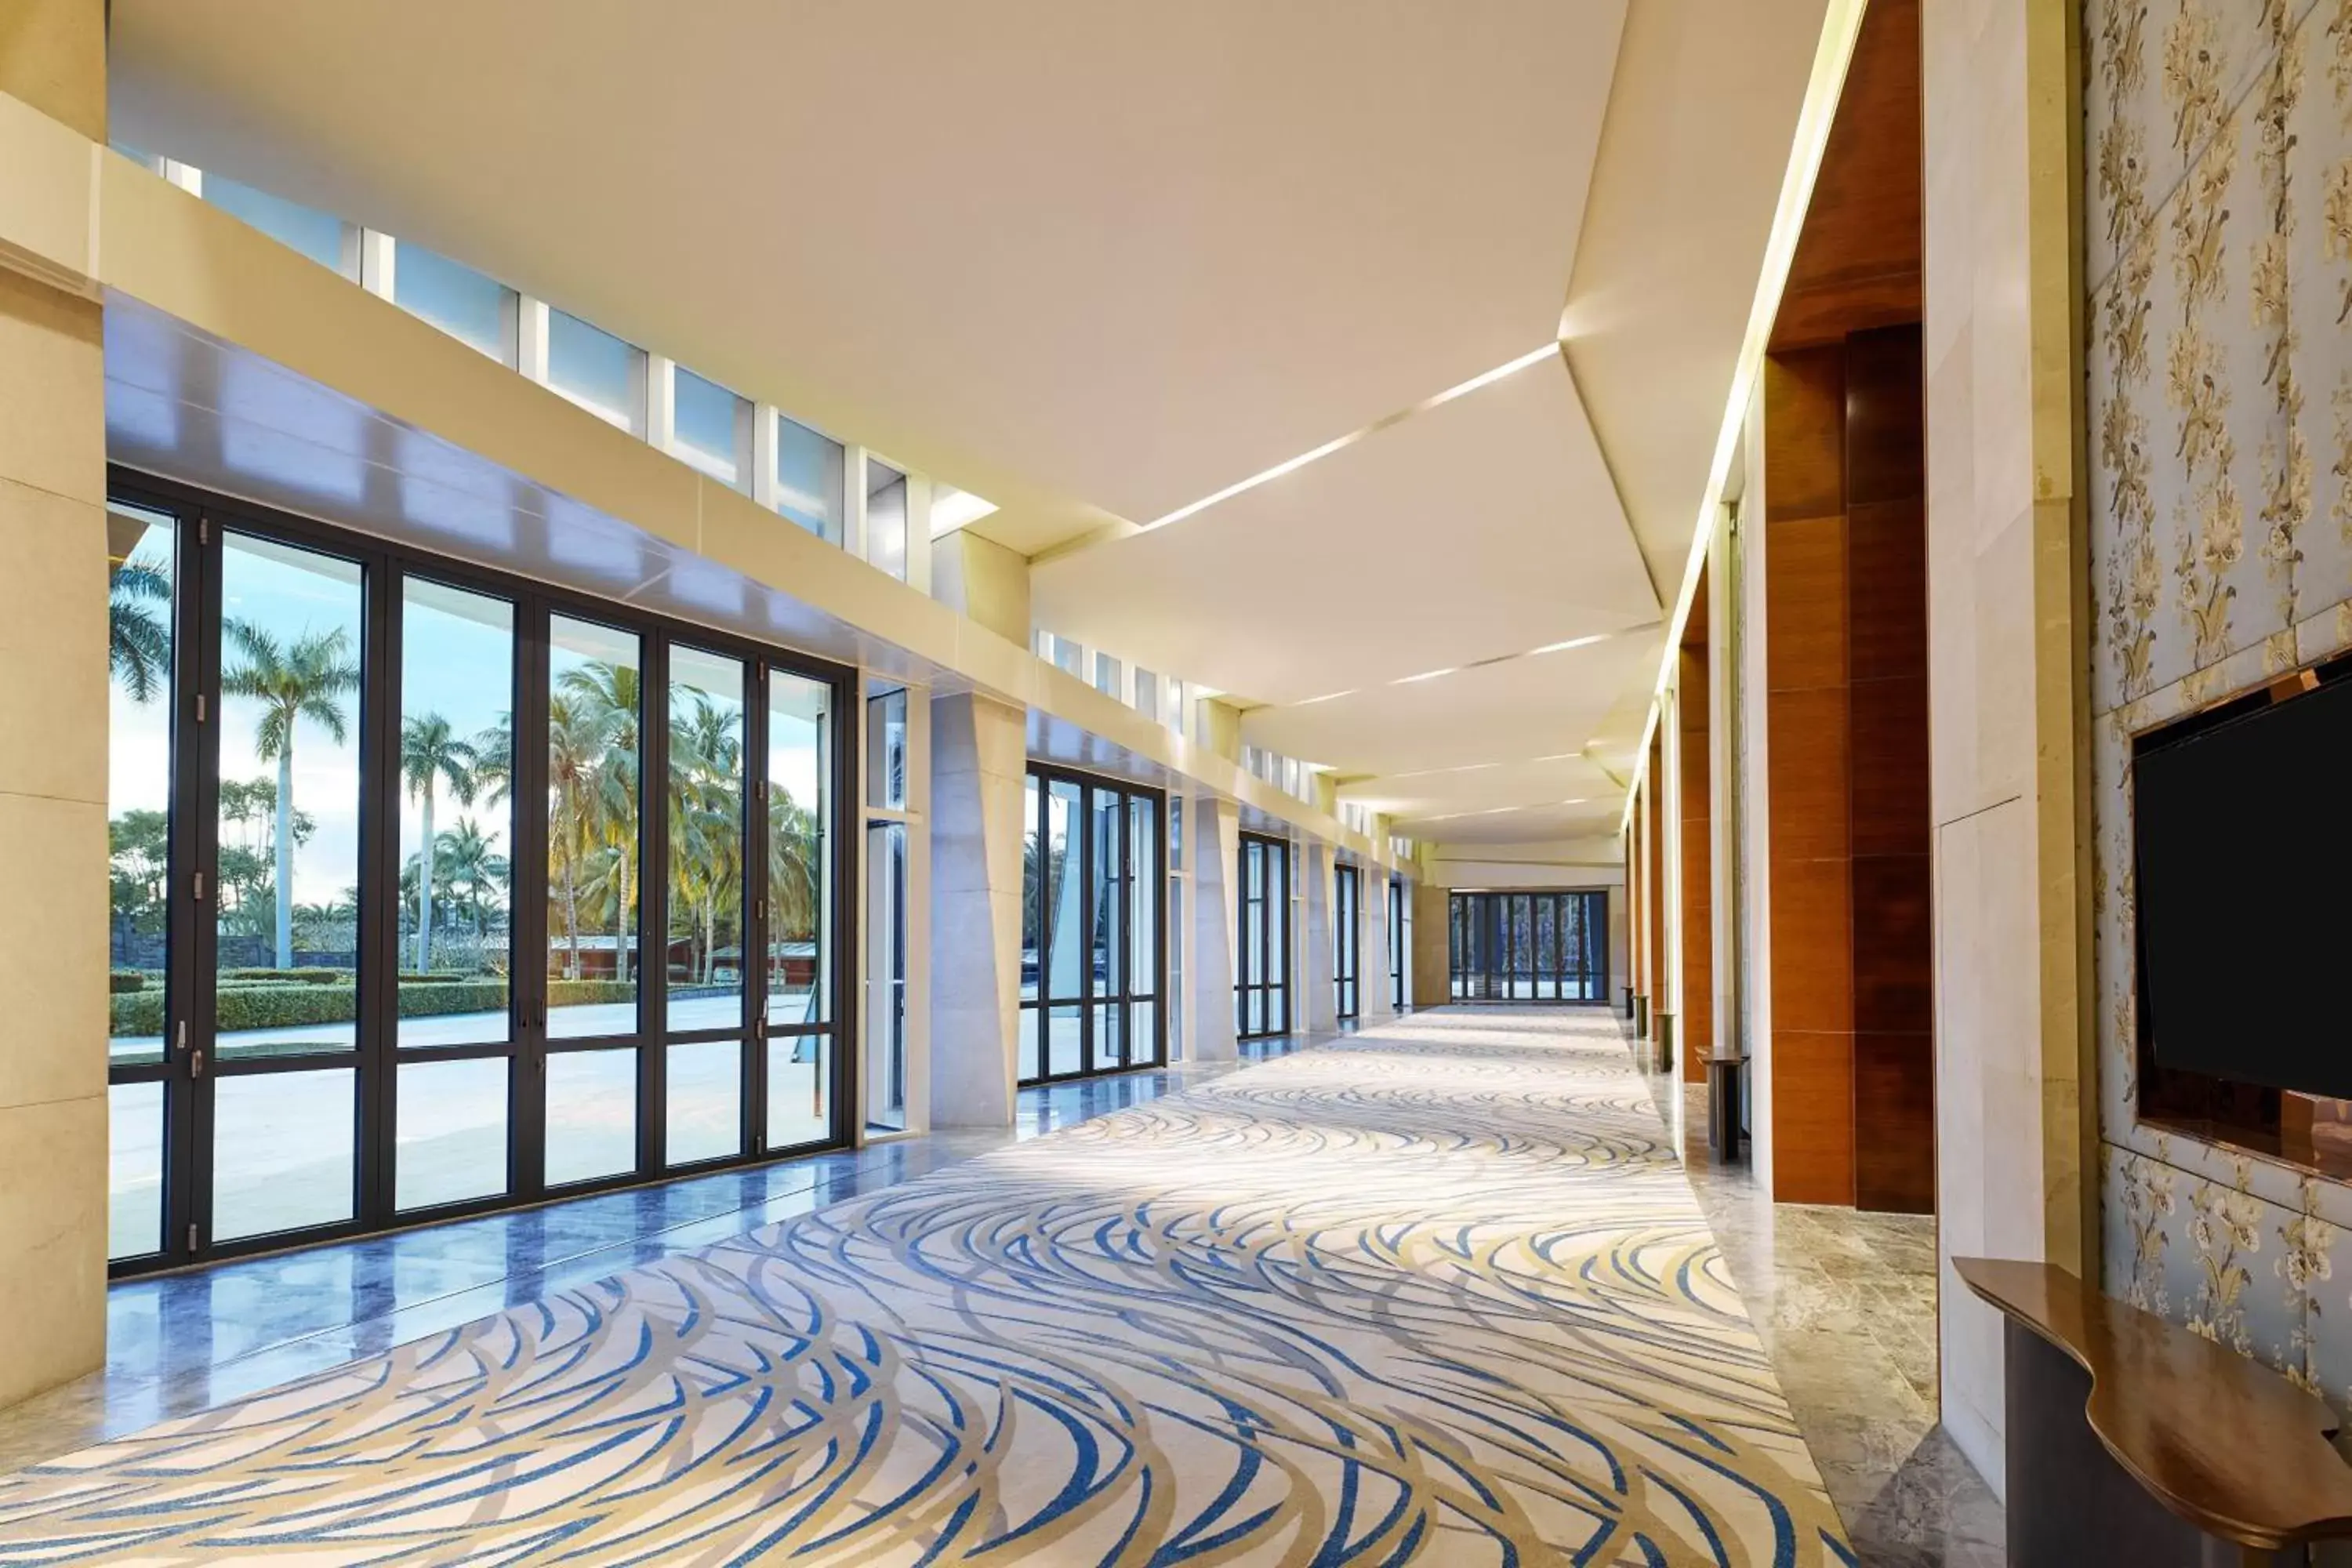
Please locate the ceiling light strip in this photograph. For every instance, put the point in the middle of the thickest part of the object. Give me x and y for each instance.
(1822, 89)
(1485, 378)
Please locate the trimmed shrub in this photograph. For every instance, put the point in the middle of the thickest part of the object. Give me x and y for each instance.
(294, 976)
(282, 1005)
(122, 982)
(135, 1013)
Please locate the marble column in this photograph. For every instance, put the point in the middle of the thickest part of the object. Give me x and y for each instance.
(1372, 1004)
(1432, 971)
(2007, 668)
(1319, 998)
(979, 770)
(1216, 918)
(53, 765)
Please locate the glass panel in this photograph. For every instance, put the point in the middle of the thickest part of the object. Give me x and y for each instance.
(456, 765)
(1108, 1017)
(462, 302)
(1142, 1037)
(317, 234)
(704, 934)
(704, 1101)
(593, 770)
(282, 1146)
(287, 903)
(886, 964)
(1064, 908)
(886, 749)
(1032, 1022)
(134, 1159)
(1106, 895)
(799, 883)
(140, 604)
(809, 483)
(711, 428)
(886, 518)
(597, 370)
(592, 1115)
(800, 1090)
(1106, 674)
(1033, 892)
(1547, 963)
(1143, 884)
(1256, 1012)
(1176, 832)
(1064, 1054)
(452, 1140)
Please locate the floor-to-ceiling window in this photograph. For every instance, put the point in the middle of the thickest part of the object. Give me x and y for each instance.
(1347, 943)
(1537, 946)
(1261, 972)
(433, 891)
(1399, 941)
(1093, 966)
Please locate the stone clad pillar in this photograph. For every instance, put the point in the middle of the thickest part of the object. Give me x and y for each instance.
(979, 770)
(53, 750)
(1372, 1004)
(1318, 996)
(1216, 917)
(2008, 663)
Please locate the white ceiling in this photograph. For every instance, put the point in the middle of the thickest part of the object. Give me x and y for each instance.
(1098, 262)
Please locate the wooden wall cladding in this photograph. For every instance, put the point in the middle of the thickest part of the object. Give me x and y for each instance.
(1654, 845)
(1846, 720)
(1698, 1025)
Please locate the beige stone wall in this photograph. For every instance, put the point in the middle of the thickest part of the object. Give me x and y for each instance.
(2007, 693)
(52, 740)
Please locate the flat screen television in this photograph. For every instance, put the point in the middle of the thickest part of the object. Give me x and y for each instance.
(2241, 829)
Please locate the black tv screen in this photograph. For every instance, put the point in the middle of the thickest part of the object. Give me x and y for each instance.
(2243, 841)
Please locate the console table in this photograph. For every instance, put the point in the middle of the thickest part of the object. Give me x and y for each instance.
(2133, 1441)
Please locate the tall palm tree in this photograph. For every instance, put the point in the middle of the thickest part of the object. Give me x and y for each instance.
(473, 866)
(607, 697)
(494, 760)
(575, 752)
(138, 637)
(706, 823)
(292, 682)
(430, 755)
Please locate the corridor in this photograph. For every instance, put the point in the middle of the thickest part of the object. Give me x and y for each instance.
(1437, 1290)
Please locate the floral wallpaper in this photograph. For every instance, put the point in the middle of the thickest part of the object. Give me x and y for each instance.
(2218, 241)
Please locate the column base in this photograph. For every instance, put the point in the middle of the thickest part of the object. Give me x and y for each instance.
(1641, 1018)
(1666, 1052)
(1724, 1110)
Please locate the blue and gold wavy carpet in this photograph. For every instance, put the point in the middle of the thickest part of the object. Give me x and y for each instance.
(1436, 1293)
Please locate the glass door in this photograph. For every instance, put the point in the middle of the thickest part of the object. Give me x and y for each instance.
(1347, 933)
(1092, 960)
(1542, 946)
(1262, 992)
(398, 929)
(1396, 943)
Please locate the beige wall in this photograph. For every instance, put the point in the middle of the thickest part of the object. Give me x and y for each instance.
(983, 579)
(52, 739)
(2006, 665)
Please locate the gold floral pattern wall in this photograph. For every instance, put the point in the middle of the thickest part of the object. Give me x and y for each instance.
(2218, 241)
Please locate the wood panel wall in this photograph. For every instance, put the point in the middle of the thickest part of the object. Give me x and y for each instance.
(1845, 661)
(1808, 750)
(1654, 840)
(1697, 1026)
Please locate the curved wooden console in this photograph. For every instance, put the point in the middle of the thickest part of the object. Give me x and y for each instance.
(2110, 1408)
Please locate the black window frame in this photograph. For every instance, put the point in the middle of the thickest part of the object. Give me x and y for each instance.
(1347, 943)
(1273, 858)
(1036, 1013)
(190, 1067)
(1494, 942)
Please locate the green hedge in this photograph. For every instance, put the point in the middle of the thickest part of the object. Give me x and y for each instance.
(122, 982)
(280, 1005)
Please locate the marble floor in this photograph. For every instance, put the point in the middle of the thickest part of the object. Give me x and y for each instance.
(1845, 1302)
(1438, 1291)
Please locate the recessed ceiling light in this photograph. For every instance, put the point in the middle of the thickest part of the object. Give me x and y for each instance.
(1579, 800)
(1326, 697)
(1431, 772)
(1484, 378)
(952, 509)
(1498, 810)
(1560, 757)
(1425, 675)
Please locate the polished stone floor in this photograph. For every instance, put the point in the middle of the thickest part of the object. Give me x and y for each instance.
(187, 1341)
(1846, 1304)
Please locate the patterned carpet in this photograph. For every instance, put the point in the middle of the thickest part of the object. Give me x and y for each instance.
(1435, 1293)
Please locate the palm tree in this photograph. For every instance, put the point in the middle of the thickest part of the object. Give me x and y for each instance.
(474, 866)
(607, 697)
(430, 754)
(291, 683)
(575, 754)
(705, 823)
(138, 638)
(494, 762)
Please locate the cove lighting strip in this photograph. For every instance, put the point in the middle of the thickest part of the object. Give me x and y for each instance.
(1485, 378)
(1822, 90)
